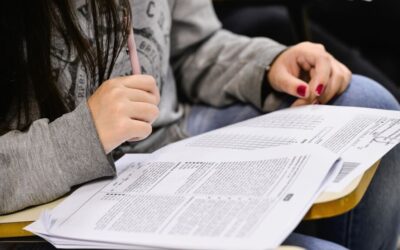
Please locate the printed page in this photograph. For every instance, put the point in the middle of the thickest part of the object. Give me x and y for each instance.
(33, 213)
(200, 199)
(361, 136)
(79, 197)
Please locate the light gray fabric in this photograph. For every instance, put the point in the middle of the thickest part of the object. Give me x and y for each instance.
(181, 44)
(44, 162)
(215, 66)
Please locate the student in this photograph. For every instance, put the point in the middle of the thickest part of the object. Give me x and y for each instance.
(68, 98)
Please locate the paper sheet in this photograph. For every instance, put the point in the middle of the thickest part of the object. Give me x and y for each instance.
(245, 186)
(361, 136)
(195, 199)
(33, 213)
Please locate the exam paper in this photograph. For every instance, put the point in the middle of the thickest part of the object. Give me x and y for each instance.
(360, 136)
(79, 197)
(194, 199)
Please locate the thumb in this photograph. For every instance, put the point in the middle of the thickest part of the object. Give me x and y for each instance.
(302, 102)
(287, 83)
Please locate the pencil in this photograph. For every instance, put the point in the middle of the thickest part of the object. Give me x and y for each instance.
(133, 54)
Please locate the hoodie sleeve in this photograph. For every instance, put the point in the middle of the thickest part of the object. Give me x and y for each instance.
(44, 162)
(215, 66)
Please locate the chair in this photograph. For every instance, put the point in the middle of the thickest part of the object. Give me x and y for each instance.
(298, 11)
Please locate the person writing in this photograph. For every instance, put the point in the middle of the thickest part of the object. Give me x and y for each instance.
(69, 101)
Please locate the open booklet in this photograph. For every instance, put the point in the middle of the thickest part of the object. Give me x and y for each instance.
(194, 199)
(245, 186)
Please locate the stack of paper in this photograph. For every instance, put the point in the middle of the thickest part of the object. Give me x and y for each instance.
(245, 186)
(194, 199)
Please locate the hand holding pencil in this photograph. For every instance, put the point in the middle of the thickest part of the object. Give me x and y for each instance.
(124, 108)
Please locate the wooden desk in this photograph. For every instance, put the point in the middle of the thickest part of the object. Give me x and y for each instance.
(327, 205)
(15, 229)
(332, 204)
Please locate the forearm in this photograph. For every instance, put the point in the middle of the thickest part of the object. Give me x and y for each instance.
(228, 68)
(215, 66)
(44, 162)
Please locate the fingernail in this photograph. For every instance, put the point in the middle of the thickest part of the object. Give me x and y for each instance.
(301, 90)
(319, 89)
(315, 102)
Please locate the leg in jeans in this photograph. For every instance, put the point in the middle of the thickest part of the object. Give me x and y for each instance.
(373, 224)
(310, 243)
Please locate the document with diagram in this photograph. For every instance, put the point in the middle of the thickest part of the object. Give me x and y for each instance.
(360, 136)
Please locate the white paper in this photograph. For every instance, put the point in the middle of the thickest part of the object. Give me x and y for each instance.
(195, 199)
(361, 136)
(239, 187)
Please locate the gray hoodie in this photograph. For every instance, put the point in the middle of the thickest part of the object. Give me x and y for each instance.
(180, 43)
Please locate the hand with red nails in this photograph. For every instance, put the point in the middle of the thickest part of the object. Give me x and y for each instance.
(310, 73)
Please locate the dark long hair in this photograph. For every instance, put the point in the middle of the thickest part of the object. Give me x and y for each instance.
(26, 32)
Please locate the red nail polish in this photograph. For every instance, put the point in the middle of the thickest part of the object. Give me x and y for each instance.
(319, 89)
(301, 90)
